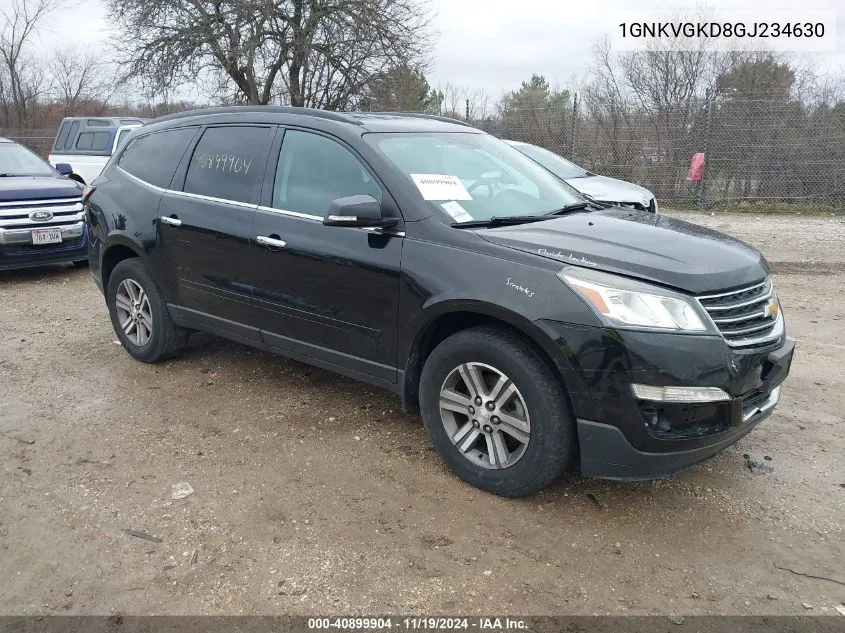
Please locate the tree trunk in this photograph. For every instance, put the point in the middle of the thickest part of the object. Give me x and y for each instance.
(296, 97)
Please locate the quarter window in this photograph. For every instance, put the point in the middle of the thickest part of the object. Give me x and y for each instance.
(154, 157)
(71, 137)
(63, 132)
(228, 162)
(314, 170)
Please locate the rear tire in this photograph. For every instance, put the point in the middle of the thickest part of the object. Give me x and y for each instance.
(139, 313)
(525, 435)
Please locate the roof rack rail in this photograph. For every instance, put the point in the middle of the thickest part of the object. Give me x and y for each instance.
(322, 114)
(418, 115)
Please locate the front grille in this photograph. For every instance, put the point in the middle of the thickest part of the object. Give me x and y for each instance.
(18, 220)
(746, 317)
(631, 205)
(23, 214)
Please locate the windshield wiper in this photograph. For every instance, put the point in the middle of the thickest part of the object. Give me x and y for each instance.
(575, 206)
(500, 221)
(7, 175)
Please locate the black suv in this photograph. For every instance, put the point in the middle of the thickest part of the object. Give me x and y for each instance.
(532, 329)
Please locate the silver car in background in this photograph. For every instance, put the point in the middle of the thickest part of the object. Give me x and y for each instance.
(600, 188)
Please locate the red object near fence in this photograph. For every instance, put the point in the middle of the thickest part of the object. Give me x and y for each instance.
(696, 166)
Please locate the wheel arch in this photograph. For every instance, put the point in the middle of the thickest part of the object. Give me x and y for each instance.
(117, 251)
(447, 320)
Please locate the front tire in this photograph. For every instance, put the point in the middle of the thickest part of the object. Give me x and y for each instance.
(496, 412)
(139, 314)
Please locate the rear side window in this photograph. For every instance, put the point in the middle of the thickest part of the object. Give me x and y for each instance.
(154, 157)
(227, 162)
(93, 141)
(71, 137)
(63, 132)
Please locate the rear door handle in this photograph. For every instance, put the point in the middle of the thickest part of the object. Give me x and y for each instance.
(273, 242)
(171, 220)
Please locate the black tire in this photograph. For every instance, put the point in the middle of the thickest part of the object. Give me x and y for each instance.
(165, 338)
(551, 447)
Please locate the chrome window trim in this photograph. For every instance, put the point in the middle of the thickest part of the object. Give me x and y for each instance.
(293, 214)
(260, 207)
(187, 194)
(140, 181)
(199, 196)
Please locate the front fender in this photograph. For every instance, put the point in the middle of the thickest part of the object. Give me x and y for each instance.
(440, 280)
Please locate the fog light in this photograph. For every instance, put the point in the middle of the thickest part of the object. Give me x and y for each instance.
(679, 394)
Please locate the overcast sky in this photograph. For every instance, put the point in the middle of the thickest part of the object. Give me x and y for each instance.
(496, 44)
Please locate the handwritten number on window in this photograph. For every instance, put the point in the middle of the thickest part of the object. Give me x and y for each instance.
(230, 163)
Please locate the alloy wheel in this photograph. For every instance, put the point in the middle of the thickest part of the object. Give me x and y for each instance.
(485, 415)
(133, 312)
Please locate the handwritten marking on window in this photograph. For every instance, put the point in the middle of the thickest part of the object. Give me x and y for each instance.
(231, 163)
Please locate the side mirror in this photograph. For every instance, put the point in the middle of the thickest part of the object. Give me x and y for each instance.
(360, 211)
(64, 169)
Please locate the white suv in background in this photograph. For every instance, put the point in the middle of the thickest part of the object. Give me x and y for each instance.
(87, 143)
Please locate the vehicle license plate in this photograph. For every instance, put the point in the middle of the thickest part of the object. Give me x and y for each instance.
(46, 236)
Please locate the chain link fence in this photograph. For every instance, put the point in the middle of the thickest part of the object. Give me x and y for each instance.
(39, 141)
(761, 154)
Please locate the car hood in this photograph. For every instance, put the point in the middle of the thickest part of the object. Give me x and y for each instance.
(639, 244)
(611, 190)
(14, 188)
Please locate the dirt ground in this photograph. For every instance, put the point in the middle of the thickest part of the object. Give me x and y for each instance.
(314, 494)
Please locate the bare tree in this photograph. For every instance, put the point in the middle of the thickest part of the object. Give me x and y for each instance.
(462, 102)
(81, 78)
(21, 78)
(304, 52)
(608, 105)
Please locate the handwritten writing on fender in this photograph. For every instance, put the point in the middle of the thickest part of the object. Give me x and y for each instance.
(566, 256)
(519, 287)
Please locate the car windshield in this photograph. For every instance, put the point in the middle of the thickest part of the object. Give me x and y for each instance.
(558, 165)
(16, 160)
(474, 176)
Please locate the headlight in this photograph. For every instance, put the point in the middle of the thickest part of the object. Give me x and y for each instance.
(625, 302)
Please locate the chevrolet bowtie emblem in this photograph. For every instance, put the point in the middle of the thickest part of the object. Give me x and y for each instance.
(772, 308)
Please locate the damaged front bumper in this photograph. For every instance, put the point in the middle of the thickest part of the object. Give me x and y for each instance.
(642, 433)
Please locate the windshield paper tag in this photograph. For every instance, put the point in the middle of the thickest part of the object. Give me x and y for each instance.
(440, 187)
(457, 212)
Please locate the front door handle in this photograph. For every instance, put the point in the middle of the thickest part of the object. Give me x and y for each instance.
(272, 241)
(167, 219)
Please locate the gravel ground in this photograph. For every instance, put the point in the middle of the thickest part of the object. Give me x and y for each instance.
(791, 243)
(314, 494)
